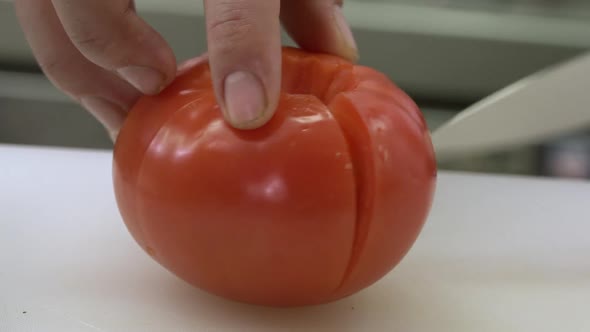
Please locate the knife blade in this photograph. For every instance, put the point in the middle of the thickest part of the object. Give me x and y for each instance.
(544, 105)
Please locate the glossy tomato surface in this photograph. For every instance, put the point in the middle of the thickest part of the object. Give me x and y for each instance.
(316, 205)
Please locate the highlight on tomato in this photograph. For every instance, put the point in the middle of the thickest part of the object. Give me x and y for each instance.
(318, 204)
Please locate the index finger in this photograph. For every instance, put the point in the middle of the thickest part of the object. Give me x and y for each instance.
(110, 34)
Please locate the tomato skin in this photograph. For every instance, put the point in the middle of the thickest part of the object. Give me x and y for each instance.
(316, 205)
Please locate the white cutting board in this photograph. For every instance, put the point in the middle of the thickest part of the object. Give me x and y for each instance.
(498, 254)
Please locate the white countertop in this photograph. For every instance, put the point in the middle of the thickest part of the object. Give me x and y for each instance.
(498, 254)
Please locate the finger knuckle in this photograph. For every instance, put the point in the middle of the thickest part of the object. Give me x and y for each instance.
(56, 68)
(53, 66)
(89, 41)
(232, 23)
(106, 50)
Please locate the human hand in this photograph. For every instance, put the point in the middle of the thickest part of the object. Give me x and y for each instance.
(102, 54)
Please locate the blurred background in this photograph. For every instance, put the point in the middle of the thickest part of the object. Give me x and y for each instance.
(446, 54)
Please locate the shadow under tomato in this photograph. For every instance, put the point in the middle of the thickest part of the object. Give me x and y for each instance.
(378, 308)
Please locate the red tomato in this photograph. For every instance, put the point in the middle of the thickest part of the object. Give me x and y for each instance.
(318, 204)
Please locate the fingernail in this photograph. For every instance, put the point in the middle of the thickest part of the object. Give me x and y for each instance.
(245, 99)
(110, 115)
(348, 42)
(147, 80)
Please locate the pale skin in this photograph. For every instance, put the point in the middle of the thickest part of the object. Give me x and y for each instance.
(103, 55)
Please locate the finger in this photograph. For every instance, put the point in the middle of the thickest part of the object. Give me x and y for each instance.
(244, 42)
(319, 26)
(103, 93)
(110, 34)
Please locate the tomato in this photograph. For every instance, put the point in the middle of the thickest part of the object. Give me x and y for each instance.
(321, 202)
